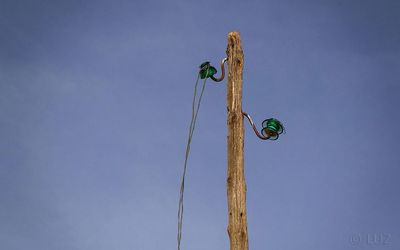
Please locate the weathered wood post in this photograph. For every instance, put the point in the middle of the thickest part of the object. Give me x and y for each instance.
(236, 185)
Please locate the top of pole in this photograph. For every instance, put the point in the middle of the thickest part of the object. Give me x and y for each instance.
(235, 65)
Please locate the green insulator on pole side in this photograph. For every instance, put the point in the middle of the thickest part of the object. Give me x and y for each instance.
(274, 125)
(272, 128)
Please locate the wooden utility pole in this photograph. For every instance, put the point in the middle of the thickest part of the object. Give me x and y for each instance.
(236, 185)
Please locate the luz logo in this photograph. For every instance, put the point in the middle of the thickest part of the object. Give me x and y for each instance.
(380, 239)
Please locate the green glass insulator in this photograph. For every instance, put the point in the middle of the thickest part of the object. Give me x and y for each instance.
(206, 70)
(274, 125)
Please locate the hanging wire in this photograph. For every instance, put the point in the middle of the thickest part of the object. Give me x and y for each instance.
(195, 110)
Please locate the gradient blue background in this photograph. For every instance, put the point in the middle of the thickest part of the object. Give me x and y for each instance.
(95, 102)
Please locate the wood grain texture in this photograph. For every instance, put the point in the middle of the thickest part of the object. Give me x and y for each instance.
(236, 185)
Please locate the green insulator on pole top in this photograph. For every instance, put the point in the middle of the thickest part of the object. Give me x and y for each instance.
(206, 70)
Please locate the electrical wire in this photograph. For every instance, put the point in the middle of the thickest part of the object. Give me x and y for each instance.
(195, 110)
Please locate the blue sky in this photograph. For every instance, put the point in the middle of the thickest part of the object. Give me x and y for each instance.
(95, 102)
